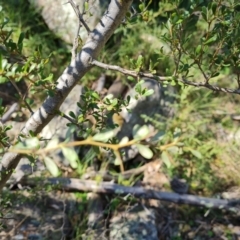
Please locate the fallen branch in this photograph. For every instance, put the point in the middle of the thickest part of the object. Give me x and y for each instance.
(72, 184)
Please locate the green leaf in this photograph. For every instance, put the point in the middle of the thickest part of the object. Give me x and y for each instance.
(141, 7)
(86, 6)
(70, 132)
(31, 143)
(124, 140)
(104, 136)
(148, 93)
(71, 155)
(145, 151)
(205, 13)
(72, 115)
(139, 62)
(95, 95)
(20, 41)
(130, 78)
(214, 7)
(51, 166)
(140, 132)
(198, 49)
(166, 160)
(173, 150)
(210, 40)
(196, 153)
(52, 143)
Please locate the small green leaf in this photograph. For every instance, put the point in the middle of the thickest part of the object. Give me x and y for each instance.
(104, 136)
(214, 7)
(196, 153)
(124, 140)
(20, 41)
(71, 155)
(70, 132)
(198, 49)
(86, 6)
(166, 160)
(148, 93)
(139, 62)
(173, 150)
(72, 114)
(130, 78)
(141, 7)
(95, 95)
(51, 166)
(210, 40)
(114, 102)
(140, 132)
(205, 13)
(145, 151)
(52, 143)
(31, 143)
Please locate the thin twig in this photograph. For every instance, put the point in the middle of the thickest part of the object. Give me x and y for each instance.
(80, 23)
(68, 118)
(161, 78)
(22, 97)
(128, 72)
(7, 115)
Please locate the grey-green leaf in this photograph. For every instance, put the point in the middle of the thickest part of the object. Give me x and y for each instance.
(166, 160)
(104, 136)
(71, 155)
(51, 166)
(145, 151)
(140, 132)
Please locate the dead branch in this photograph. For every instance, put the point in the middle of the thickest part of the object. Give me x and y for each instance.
(72, 184)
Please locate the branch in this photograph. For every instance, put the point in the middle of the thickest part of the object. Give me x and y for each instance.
(131, 73)
(72, 184)
(7, 115)
(78, 67)
(136, 74)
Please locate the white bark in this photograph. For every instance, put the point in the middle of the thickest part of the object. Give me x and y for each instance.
(78, 67)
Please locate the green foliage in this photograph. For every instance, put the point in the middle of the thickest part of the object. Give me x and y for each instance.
(203, 36)
(197, 40)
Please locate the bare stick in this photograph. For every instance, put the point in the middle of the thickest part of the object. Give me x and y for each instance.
(78, 40)
(136, 74)
(6, 116)
(72, 184)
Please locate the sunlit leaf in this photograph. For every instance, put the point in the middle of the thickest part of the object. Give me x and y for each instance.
(71, 155)
(140, 132)
(51, 166)
(145, 151)
(148, 93)
(124, 140)
(52, 143)
(31, 143)
(104, 136)
(95, 95)
(166, 159)
(196, 153)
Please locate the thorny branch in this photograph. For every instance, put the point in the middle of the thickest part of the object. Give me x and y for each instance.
(136, 74)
